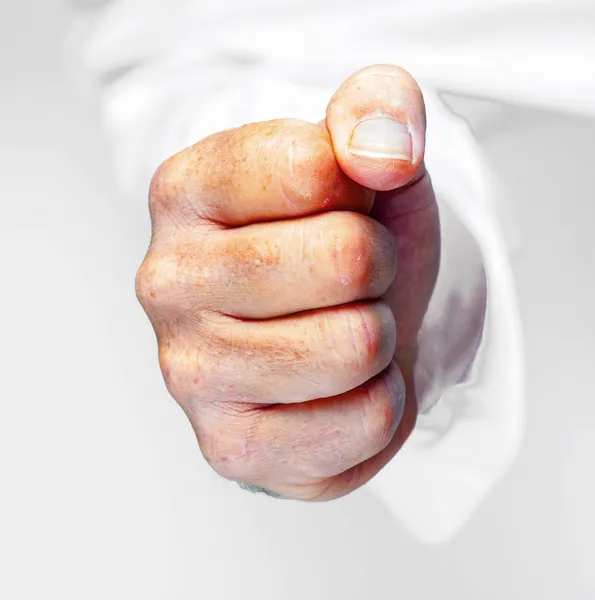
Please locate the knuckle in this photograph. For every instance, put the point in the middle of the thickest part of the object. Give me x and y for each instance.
(176, 189)
(223, 462)
(168, 365)
(364, 254)
(312, 167)
(167, 361)
(145, 282)
(156, 281)
(379, 416)
(163, 188)
(172, 281)
(173, 364)
(187, 369)
(178, 186)
(227, 444)
(367, 331)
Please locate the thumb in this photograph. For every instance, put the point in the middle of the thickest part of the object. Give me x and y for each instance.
(377, 123)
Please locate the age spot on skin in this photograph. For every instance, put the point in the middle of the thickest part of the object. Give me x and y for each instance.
(245, 256)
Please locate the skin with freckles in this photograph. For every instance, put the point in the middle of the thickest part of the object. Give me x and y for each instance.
(289, 272)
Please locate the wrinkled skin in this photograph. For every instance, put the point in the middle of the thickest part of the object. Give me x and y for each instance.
(286, 280)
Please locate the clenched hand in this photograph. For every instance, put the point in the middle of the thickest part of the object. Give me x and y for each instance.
(289, 271)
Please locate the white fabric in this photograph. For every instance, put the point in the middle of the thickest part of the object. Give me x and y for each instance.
(173, 71)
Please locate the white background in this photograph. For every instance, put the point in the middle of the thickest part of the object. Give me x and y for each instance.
(103, 491)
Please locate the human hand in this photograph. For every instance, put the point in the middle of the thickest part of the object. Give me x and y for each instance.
(290, 268)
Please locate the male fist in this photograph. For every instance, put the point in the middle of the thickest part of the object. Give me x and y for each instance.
(290, 268)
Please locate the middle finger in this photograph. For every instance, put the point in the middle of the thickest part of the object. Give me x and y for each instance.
(275, 269)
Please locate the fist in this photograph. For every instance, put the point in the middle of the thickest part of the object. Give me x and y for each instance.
(289, 271)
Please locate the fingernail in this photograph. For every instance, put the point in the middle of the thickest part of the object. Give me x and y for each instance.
(382, 138)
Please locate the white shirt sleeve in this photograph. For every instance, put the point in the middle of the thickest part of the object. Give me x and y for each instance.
(470, 370)
(167, 81)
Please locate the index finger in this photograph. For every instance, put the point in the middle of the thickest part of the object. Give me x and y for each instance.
(259, 172)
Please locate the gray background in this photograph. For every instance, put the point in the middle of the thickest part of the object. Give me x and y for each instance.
(88, 434)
